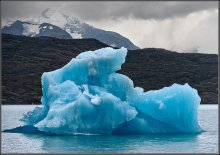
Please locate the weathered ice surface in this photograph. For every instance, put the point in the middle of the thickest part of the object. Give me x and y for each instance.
(87, 96)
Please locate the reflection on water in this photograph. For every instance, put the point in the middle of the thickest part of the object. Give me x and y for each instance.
(114, 144)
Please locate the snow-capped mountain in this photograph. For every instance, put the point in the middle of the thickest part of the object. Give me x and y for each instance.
(65, 27)
(36, 30)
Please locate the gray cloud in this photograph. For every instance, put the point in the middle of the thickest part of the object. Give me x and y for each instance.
(180, 26)
(95, 10)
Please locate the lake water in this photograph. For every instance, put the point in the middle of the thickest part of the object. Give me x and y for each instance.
(206, 142)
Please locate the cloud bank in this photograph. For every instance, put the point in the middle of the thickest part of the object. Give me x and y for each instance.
(181, 26)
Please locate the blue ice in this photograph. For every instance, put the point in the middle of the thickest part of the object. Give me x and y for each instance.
(87, 96)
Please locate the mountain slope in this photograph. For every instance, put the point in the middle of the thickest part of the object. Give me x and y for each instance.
(24, 59)
(50, 30)
(35, 30)
(74, 27)
(15, 28)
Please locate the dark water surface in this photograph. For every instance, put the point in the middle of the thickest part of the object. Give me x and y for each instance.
(206, 142)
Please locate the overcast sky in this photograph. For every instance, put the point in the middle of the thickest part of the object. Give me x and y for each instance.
(180, 26)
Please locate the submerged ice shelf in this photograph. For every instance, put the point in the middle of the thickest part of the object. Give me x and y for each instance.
(87, 96)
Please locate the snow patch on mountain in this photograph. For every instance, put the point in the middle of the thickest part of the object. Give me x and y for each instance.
(74, 27)
(74, 35)
(30, 29)
(70, 24)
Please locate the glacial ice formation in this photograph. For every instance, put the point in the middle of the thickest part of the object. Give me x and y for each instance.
(87, 96)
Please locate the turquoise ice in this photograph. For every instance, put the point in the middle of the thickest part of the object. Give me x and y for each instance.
(87, 96)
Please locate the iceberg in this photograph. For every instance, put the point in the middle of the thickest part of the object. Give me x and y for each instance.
(87, 96)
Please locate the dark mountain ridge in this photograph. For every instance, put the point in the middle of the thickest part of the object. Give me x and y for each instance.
(24, 60)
